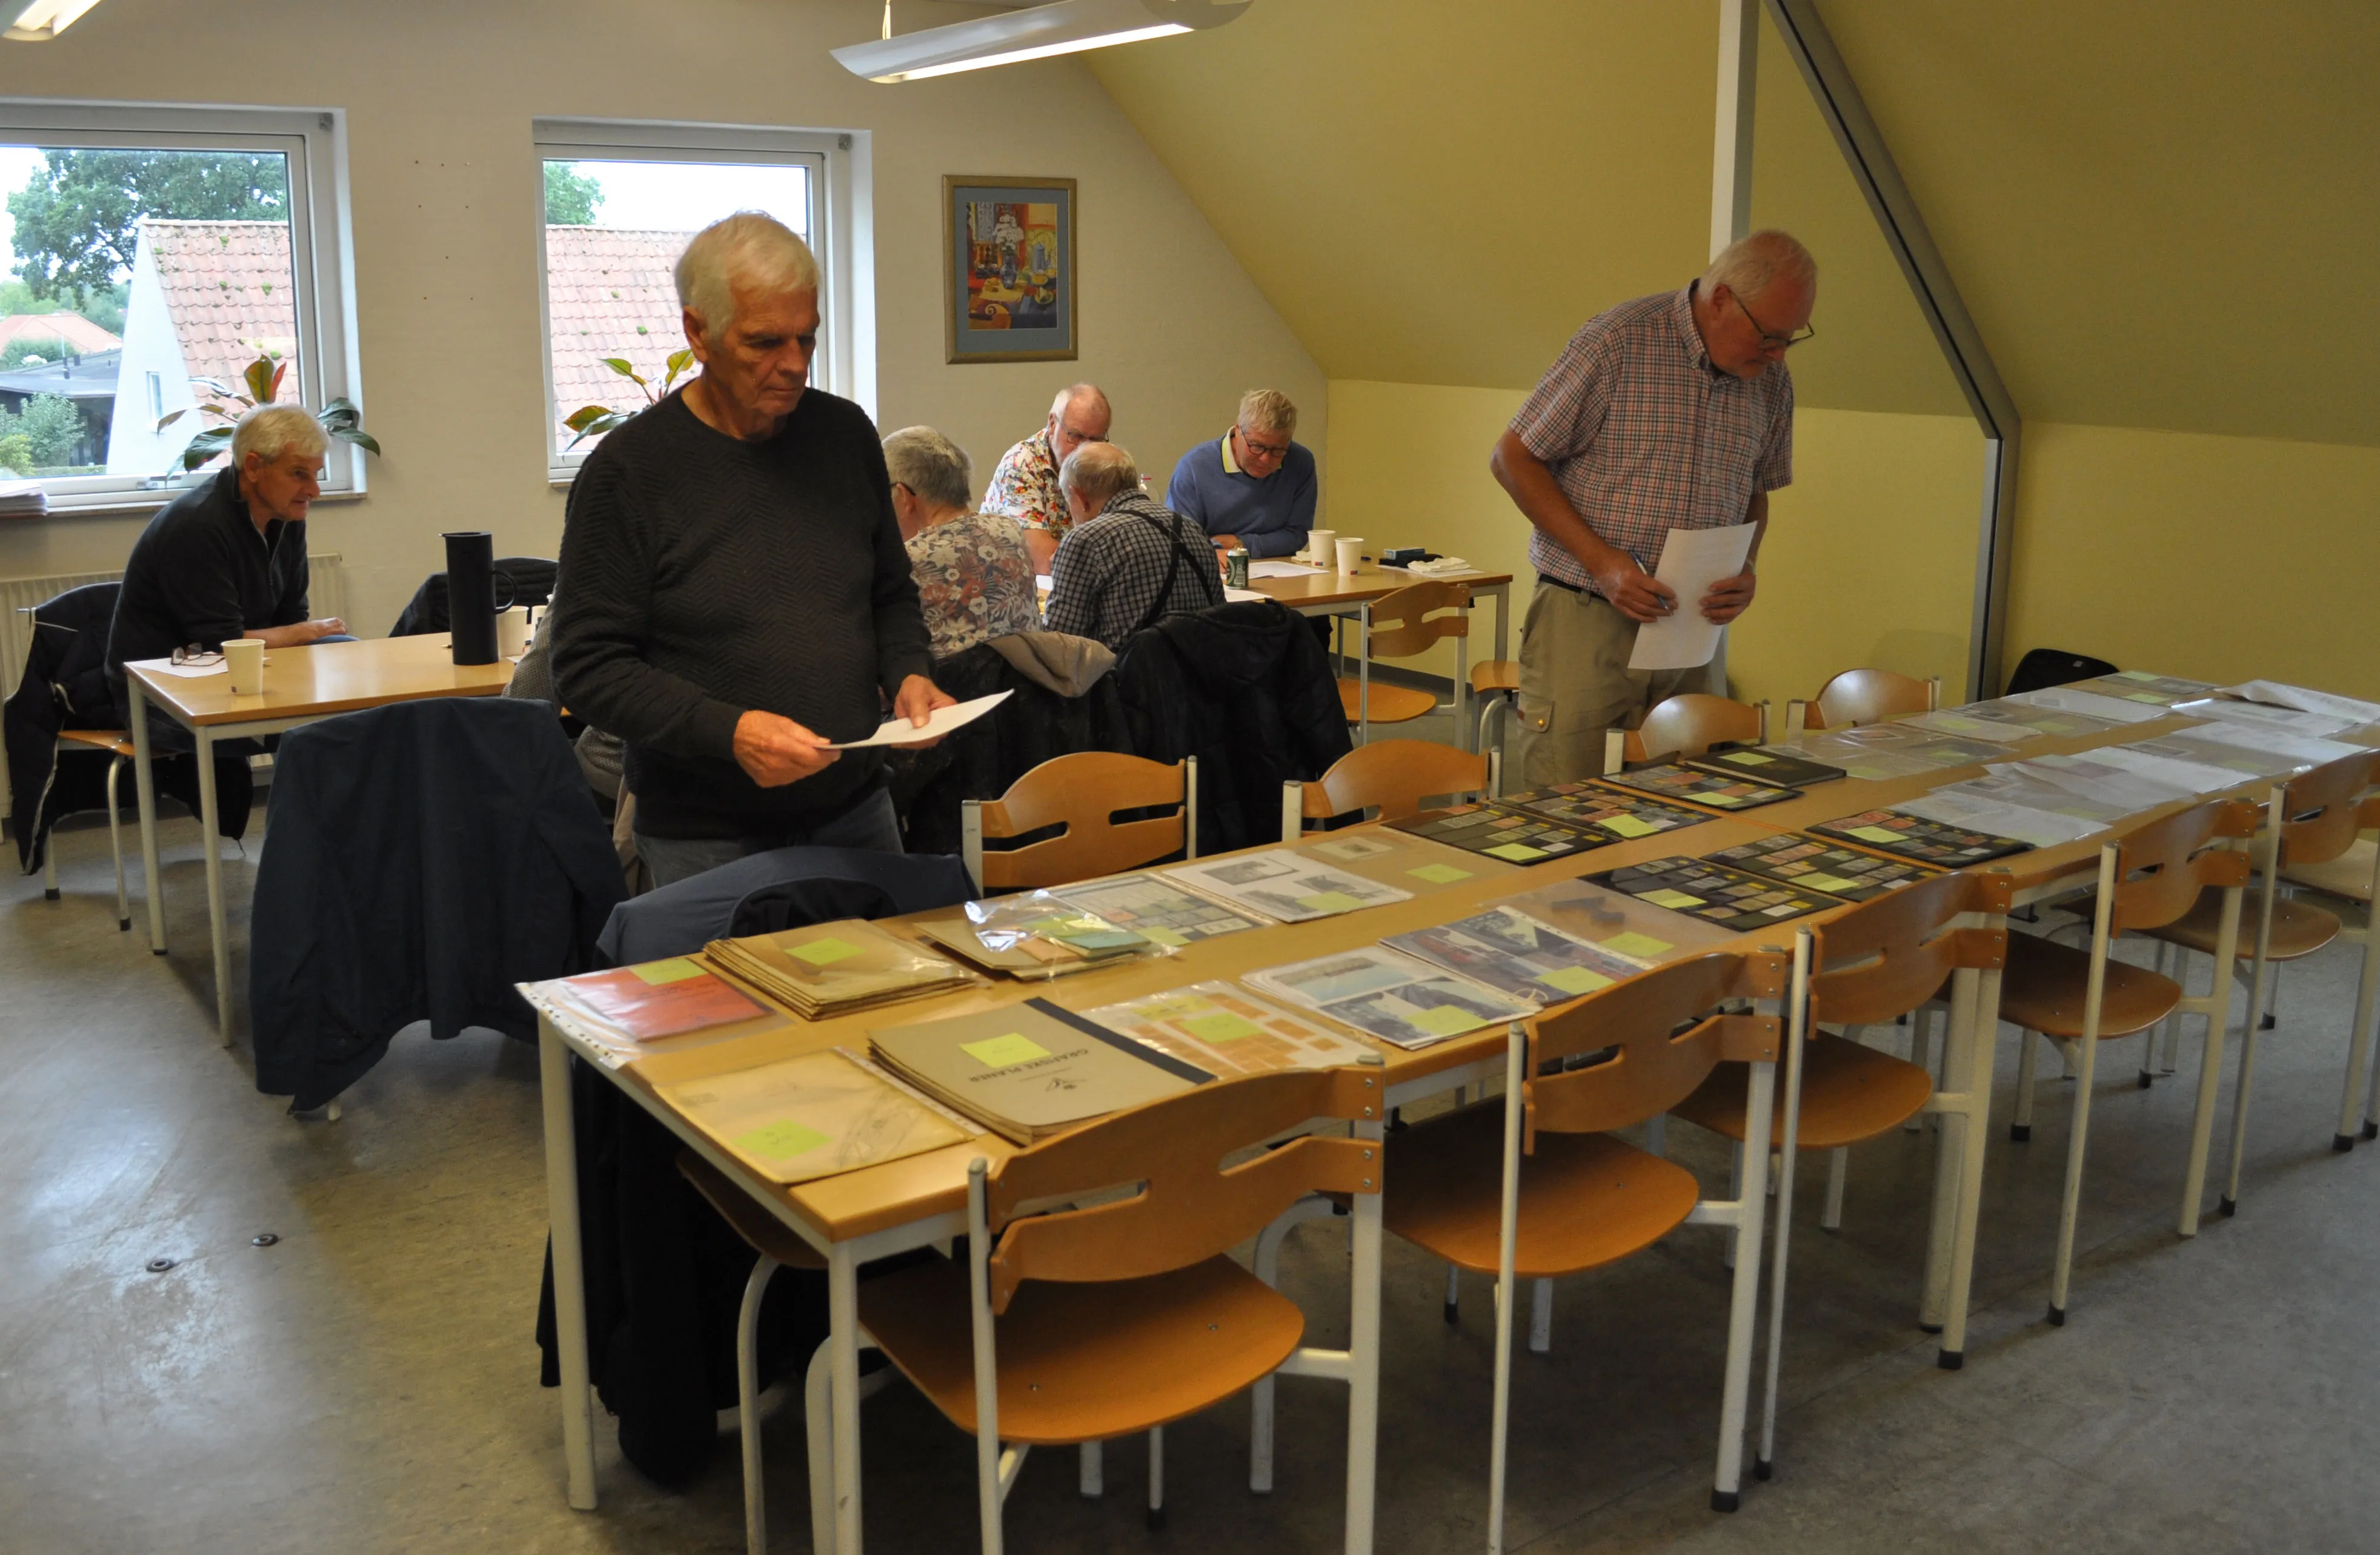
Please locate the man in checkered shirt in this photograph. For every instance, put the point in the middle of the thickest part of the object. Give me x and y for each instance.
(1127, 562)
(1674, 411)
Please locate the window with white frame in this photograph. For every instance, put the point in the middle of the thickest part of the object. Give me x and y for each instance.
(621, 201)
(152, 256)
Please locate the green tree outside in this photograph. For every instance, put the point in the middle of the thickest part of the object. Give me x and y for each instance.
(13, 355)
(43, 435)
(572, 198)
(76, 219)
(16, 452)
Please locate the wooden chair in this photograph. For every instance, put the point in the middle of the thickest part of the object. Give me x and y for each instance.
(1083, 792)
(2148, 877)
(1495, 683)
(1398, 625)
(1081, 1324)
(1583, 1198)
(1863, 697)
(1878, 961)
(1688, 724)
(1393, 777)
(117, 746)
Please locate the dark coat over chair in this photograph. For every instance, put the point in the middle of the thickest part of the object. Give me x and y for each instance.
(428, 610)
(423, 859)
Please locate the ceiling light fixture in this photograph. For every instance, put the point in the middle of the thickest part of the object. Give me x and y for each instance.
(1036, 33)
(38, 21)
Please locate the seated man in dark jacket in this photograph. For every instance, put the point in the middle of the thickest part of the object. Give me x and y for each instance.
(1128, 562)
(227, 558)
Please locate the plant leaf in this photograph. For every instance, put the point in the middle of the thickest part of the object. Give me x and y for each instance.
(357, 436)
(594, 420)
(262, 379)
(164, 421)
(278, 373)
(205, 446)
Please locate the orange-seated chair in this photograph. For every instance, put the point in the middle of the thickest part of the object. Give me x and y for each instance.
(1081, 791)
(1863, 697)
(1398, 625)
(1686, 724)
(1391, 777)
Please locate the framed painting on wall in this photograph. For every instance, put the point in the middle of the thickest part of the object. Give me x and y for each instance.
(1008, 269)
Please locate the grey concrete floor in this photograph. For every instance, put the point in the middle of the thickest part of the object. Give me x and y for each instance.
(368, 1382)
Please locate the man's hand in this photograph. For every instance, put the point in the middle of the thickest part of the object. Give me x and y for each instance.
(1042, 546)
(1226, 542)
(1635, 594)
(917, 702)
(1728, 598)
(775, 751)
(300, 633)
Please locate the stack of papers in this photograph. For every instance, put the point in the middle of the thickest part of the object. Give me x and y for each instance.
(1041, 935)
(1285, 887)
(1906, 837)
(1972, 812)
(1714, 893)
(1513, 836)
(1814, 864)
(1394, 997)
(2040, 720)
(2139, 686)
(1673, 780)
(813, 1116)
(1508, 951)
(1030, 1070)
(1217, 1027)
(1965, 724)
(1618, 923)
(1592, 807)
(2273, 694)
(23, 499)
(1151, 907)
(831, 968)
(1766, 765)
(1395, 859)
(2276, 719)
(2218, 733)
(2115, 710)
(658, 998)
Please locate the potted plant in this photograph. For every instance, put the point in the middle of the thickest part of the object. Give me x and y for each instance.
(594, 420)
(262, 380)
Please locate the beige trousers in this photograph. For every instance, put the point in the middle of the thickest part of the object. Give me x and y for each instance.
(1576, 686)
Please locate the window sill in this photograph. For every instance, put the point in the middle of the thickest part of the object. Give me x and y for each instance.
(137, 503)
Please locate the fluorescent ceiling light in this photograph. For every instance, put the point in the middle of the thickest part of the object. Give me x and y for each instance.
(1036, 33)
(38, 21)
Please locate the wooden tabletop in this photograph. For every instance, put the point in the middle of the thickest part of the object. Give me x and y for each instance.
(326, 678)
(1369, 582)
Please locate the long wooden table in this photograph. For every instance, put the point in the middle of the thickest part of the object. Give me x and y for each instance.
(860, 1216)
(301, 685)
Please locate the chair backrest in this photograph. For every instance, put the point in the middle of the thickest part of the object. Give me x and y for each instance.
(1189, 1206)
(1870, 697)
(1401, 625)
(1656, 1065)
(1393, 776)
(1081, 791)
(1886, 956)
(2325, 809)
(69, 648)
(2162, 866)
(1691, 723)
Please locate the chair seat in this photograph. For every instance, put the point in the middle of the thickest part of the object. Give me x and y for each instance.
(1391, 704)
(2299, 928)
(1849, 1092)
(1495, 674)
(2045, 983)
(2349, 875)
(116, 742)
(1085, 1362)
(751, 1220)
(1587, 1199)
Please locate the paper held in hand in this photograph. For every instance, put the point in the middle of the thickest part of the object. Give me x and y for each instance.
(1691, 560)
(898, 730)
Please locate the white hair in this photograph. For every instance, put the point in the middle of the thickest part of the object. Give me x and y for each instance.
(270, 430)
(1098, 471)
(930, 465)
(1747, 265)
(750, 247)
(1073, 392)
(1267, 410)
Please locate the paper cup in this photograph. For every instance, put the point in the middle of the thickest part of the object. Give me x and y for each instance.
(1317, 546)
(1351, 555)
(246, 657)
(511, 632)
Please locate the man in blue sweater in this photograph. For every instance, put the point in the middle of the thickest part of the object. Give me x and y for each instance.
(1252, 486)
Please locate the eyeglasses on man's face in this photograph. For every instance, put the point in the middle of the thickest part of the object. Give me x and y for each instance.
(1261, 450)
(1770, 339)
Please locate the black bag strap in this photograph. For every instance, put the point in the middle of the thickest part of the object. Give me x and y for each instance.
(1155, 611)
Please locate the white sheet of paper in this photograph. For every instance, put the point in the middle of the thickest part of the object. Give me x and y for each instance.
(1241, 596)
(188, 672)
(899, 731)
(2041, 828)
(2067, 699)
(1041, 581)
(1274, 567)
(2276, 694)
(1691, 560)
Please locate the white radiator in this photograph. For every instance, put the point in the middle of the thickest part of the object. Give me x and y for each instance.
(327, 595)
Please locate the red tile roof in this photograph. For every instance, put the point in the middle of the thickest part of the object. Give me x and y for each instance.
(228, 291)
(72, 328)
(609, 293)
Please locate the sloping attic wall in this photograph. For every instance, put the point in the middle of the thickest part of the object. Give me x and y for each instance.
(2152, 214)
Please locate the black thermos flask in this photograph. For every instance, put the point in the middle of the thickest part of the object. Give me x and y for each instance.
(471, 595)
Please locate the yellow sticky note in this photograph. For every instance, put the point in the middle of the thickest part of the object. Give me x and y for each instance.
(1443, 1020)
(1330, 902)
(780, 1140)
(675, 970)
(1635, 944)
(1163, 936)
(1628, 825)
(1667, 898)
(1574, 980)
(1747, 757)
(1516, 853)
(1221, 1027)
(1827, 883)
(1439, 874)
(999, 1052)
(2134, 674)
(824, 953)
(1874, 835)
(2149, 696)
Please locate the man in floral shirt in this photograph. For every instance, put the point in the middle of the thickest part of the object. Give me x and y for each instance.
(975, 580)
(1025, 485)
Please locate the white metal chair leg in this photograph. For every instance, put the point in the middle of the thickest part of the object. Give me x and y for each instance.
(115, 846)
(50, 866)
(2359, 1049)
(1541, 1316)
(2086, 1064)
(1746, 1295)
(1921, 1053)
(1838, 1163)
(1453, 1291)
(1157, 1476)
(1515, 1072)
(1735, 1191)
(2028, 1045)
(1091, 1470)
(1267, 1268)
(1656, 1136)
(2258, 967)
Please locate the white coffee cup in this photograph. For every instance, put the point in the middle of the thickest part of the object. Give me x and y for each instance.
(511, 632)
(1317, 546)
(246, 657)
(1351, 555)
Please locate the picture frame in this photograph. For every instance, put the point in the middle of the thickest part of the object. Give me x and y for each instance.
(1008, 269)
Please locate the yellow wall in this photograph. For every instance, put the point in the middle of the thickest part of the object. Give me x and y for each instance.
(2220, 558)
(1857, 567)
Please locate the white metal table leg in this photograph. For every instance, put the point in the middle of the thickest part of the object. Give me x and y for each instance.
(116, 842)
(218, 931)
(843, 1316)
(2358, 1051)
(569, 1269)
(144, 785)
(1974, 1120)
(2210, 1065)
(1959, 1039)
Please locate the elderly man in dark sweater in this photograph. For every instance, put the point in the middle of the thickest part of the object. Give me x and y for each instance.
(737, 597)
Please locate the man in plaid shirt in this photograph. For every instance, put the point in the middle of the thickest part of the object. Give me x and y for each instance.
(1025, 485)
(1674, 411)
